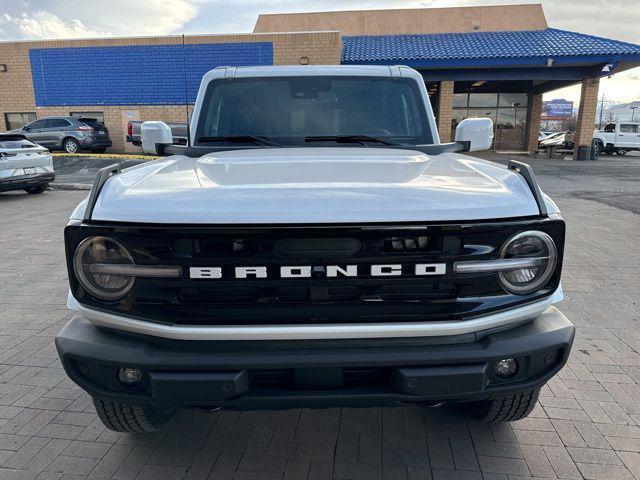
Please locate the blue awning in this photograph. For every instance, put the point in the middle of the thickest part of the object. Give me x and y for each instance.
(486, 49)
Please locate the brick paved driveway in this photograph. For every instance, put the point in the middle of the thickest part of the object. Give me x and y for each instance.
(587, 423)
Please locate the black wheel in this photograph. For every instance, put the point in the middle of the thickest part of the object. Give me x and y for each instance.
(123, 417)
(621, 151)
(36, 189)
(503, 409)
(99, 150)
(71, 145)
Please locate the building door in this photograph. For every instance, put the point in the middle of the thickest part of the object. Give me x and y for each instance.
(502, 102)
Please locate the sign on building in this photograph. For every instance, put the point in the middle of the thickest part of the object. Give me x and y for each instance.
(558, 109)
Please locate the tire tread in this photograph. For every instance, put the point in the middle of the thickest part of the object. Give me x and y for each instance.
(123, 417)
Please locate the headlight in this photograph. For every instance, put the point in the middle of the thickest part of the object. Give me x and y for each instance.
(93, 262)
(538, 252)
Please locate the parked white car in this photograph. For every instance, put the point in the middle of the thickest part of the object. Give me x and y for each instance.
(619, 137)
(24, 165)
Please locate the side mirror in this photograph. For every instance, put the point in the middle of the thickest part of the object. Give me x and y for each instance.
(26, 128)
(155, 136)
(478, 132)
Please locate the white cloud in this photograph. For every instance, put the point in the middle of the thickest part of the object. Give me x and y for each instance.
(94, 18)
(47, 25)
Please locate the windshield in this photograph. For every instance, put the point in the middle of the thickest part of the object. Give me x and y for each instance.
(303, 110)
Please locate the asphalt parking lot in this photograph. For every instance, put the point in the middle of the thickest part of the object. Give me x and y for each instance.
(586, 425)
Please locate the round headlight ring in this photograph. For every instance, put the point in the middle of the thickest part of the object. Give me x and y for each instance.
(540, 279)
(91, 282)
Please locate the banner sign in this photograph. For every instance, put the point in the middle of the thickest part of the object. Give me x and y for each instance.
(558, 108)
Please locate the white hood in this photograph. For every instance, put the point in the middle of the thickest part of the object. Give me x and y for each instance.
(314, 185)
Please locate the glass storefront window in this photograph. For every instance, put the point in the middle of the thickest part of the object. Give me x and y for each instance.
(511, 99)
(483, 100)
(460, 100)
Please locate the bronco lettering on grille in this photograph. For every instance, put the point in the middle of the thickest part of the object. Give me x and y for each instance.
(326, 271)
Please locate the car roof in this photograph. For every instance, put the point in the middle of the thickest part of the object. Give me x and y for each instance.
(313, 70)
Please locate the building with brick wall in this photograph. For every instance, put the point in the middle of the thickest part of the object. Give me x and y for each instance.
(494, 61)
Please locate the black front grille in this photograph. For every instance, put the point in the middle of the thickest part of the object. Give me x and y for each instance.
(320, 298)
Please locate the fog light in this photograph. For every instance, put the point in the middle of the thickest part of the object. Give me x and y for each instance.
(130, 376)
(505, 367)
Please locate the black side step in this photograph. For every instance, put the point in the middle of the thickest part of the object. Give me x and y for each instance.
(526, 171)
(103, 175)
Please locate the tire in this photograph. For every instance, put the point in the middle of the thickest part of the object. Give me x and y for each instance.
(71, 145)
(124, 417)
(509, 408)
(99, 150)
(37, 189)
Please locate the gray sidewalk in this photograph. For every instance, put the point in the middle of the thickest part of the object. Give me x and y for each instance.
(586, 423)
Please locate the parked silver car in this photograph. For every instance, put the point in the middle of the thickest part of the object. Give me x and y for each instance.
(24, 165)
(67, 133)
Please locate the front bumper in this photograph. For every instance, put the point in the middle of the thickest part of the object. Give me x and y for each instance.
(313, 373)
(25, 181)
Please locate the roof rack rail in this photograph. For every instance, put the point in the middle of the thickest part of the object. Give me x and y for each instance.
(526, 171)
(103, 175)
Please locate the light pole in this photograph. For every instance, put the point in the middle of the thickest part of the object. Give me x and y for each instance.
(633, 113)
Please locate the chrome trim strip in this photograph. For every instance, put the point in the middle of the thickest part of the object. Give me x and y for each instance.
(315, 332)
(150, 271)
(500, 265)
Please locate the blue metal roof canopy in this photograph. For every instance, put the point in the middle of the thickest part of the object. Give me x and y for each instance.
(552, 55)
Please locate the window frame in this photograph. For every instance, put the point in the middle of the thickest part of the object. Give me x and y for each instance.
(57, 119)
(89, 114)
(427, 134)
(633, 128)
(44, 123)
(11, 127)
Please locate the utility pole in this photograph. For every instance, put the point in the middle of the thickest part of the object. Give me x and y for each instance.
(601, 111)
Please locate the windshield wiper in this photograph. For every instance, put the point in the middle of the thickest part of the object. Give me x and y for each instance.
(349, 139)
(256, 140)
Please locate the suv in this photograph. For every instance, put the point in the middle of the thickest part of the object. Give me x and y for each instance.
(67, 133)
(315, 245)
(619, 138)
(24, 165)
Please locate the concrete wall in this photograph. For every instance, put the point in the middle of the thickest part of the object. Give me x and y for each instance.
(418, 20)
(17, 91)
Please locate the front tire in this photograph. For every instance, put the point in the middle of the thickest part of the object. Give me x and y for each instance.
(36, 190)
(124, 417)
(508, 408)
(71, 145)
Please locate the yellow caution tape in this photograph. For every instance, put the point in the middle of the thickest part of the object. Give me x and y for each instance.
(107, 155)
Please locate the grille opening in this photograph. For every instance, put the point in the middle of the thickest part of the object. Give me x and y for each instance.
(317, 247)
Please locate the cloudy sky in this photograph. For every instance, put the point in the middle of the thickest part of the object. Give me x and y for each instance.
(36, 19)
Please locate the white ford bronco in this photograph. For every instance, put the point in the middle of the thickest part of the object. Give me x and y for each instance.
(314, 245)
(619, 137)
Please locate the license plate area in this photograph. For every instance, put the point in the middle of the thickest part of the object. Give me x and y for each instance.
(29, 171)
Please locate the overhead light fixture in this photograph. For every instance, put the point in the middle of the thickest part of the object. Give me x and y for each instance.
(479, 83)
(550, 62)
(607, 68)
(304, 60)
